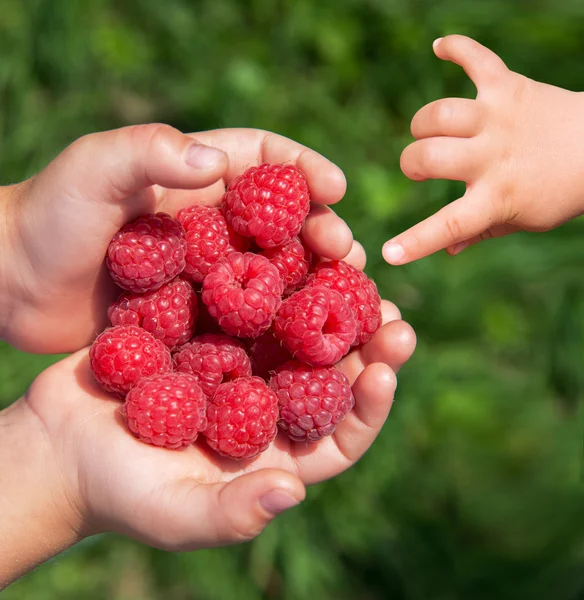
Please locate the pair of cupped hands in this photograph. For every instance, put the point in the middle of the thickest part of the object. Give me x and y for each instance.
(55, 296)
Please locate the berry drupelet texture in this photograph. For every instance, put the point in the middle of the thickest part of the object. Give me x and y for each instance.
(208, 238)
(242, 418)
(292, 261)
(357, 289)
(268, 203)
(316, 325)
(168, 313)
(242, 293)
(167, 410)
(312, 400)
(147, 252)
(121, 355)
(213, 359)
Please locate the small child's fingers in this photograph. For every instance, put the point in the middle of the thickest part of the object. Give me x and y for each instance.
(326, 234)
(440, 158)
(453, 117)
(219, 514)
(112, 165)
(482, 65)
(492, 232)
(457, 222)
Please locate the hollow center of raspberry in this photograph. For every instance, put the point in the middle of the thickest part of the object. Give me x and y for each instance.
(331, 325)
(242, 280)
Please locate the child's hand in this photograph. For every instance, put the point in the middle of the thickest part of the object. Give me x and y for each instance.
(180, 500)
(518, 147)
(54, 289)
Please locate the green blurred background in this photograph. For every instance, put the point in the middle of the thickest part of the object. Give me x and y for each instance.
(474, 488)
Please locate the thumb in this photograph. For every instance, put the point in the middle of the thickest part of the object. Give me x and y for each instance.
(219, 514)
(459, 221)
(112, 165)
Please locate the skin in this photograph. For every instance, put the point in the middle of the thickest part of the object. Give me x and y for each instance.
(67, 438)
(517, 146)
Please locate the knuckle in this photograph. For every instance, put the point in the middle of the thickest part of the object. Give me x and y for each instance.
(454, 229)
(150, 135)
(241, 531)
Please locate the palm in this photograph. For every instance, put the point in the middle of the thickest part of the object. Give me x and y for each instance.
(71, 281)
(142, 491)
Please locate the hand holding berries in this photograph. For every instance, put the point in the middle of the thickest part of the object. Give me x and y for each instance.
(192, 498)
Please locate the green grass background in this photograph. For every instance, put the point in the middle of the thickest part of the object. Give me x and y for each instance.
(474, 488)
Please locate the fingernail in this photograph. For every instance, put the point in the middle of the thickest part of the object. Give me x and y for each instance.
(459, 248)
(393, 253)
(203, 157)
(436, 42)
(277, 501)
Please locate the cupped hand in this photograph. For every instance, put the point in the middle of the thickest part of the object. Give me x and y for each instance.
(60, 222)
(189, 499)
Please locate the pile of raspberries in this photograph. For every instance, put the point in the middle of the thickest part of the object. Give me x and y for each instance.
(228, 326)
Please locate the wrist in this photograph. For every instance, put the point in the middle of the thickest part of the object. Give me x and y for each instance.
(37, 518)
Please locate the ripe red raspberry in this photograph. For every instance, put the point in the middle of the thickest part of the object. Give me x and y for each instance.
(213, 359)
(357, 289)
(166, 410)
(121, 355)
(242, 418)
(208, 239)
(316, 325)
(147, 252)
(266, 353)
(168, 313)
(268, 203)
(243, 293)
(312, 400)
(292, 261)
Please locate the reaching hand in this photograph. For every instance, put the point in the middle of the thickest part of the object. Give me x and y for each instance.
(184, 500)
(518, 147)
(59, 223)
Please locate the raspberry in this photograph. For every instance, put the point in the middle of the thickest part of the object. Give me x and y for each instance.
(292, 261)
(316, 325)
(166, 410)
(243, 293)
(312, 400)
(266, 353)
(208, 239)
(168, 313)
(147, 252)
(357, 289)
(268, 203)
(213, 359)
(121, 355)
(242, 418)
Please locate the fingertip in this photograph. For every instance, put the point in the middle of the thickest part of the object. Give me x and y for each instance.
(393, 253)
(436, 43)
(357, 256)
(389, 312)
(326, 181)
(383, 375)
(200, 156)
(326, 234)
